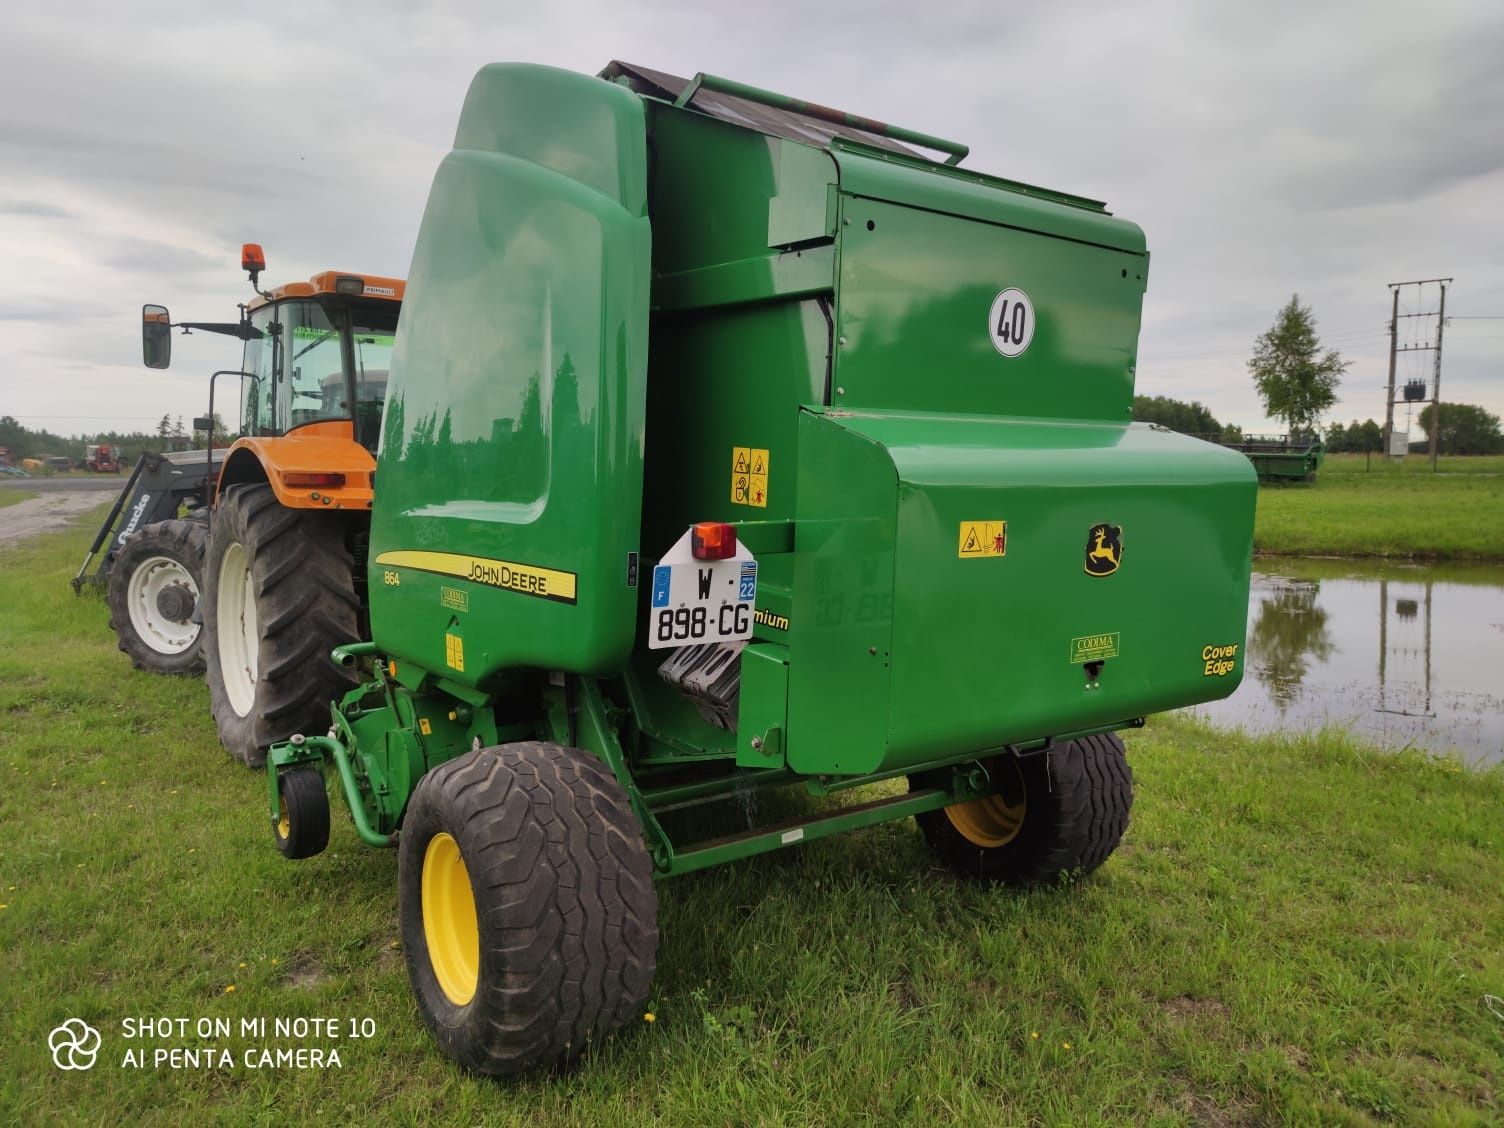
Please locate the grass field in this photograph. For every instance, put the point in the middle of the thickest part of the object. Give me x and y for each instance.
(12, 496)
(1298, 931)
(1391, 510)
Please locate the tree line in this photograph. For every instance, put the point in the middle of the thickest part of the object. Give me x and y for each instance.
(25, 442)
(1297, 379)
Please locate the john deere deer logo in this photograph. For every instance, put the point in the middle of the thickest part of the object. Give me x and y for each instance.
(1104, 550)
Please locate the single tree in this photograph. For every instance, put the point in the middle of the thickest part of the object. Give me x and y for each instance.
(164, 427)
(1295, 378)
(1465, 429)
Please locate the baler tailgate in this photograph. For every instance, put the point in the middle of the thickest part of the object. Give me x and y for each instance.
(1003, 580)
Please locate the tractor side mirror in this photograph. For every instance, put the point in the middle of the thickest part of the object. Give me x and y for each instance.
(156, 336)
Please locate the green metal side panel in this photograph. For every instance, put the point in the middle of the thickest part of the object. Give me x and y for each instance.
(965, 192)
(991, 649)
(920, 267)
(511, 457)
(841, 624)
(723, 195)
(744, 270)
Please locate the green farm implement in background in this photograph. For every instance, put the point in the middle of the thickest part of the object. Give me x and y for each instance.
(1277, 458)
(733, 443)
(1282, 458)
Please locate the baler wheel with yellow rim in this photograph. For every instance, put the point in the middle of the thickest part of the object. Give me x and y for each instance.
(301, 828)
(1056, 816)
(529, 918)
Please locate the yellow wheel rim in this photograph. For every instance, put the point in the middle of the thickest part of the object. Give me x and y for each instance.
(993, 820)
(284, 822)
(449, 924)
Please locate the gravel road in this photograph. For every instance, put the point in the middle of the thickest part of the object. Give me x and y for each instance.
(54, 509)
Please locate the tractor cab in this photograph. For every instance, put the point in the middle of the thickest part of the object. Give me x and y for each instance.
(313, 380)
(318, 352)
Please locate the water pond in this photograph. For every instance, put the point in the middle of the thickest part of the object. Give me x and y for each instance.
(1401, 655)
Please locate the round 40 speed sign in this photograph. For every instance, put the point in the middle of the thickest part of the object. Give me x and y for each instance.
(1010, 322)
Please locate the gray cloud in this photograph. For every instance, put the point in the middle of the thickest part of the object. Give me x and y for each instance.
(34, 209)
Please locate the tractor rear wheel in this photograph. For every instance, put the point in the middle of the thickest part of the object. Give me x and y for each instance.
(1057, 816)
(279, 596)
(154, 586)
(529, 917)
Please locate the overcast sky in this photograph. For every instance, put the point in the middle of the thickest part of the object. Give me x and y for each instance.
(1265, 148)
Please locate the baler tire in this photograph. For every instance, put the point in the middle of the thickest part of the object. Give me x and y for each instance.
(301, 578)
(303, 829)
(174, 551)
(562, 947)
(1077, 801)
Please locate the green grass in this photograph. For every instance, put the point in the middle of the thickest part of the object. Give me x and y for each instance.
(12, 496)
(1413, 466)
(1393, 510)
(1295, 931)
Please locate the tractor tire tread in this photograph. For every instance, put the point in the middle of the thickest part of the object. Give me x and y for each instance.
(306, 606)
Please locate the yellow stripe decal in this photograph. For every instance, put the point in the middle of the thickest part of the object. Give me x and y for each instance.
(542, 583)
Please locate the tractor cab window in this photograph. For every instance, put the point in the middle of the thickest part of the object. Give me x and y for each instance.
(372, 338)
(312, 383)
(296, 361)
(295, 368)
(259, 364)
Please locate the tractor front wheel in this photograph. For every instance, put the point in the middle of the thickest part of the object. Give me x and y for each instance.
(280, 595)
(155, 581)
(529, 918)
(1057, 815)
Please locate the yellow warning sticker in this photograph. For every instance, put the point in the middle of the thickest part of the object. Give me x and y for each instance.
(454, 652)
(749, 476)
(424, 727)
(982, 538)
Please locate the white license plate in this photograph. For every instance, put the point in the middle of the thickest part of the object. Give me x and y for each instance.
(698, 601)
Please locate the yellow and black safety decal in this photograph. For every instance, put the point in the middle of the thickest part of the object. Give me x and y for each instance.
(1104, 549)
(749, 476)
(982, 538)
(1219, 661)
(454, 652)
(526, 579)
(1094, 648)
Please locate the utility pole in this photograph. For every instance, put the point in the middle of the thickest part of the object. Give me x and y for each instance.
(1394, 343)
(1395, 349)
(1441, 320)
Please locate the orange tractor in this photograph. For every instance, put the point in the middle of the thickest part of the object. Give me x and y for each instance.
(275, 576)
(102, 458)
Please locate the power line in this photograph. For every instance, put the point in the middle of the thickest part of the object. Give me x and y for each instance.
(1413, 329)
